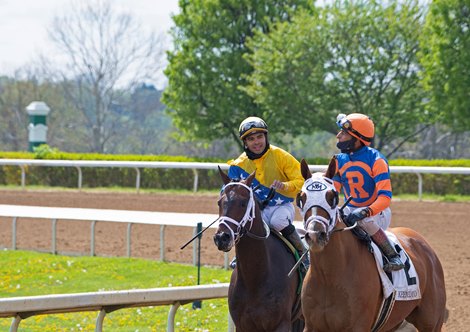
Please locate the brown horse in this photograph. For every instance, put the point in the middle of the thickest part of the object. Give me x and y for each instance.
(261, 296)
(342, 289)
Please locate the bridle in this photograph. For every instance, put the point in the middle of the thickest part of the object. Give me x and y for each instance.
(246, 223)
(318, 183)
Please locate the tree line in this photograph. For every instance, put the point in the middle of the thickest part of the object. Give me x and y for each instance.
(298, 65)
(295, 63)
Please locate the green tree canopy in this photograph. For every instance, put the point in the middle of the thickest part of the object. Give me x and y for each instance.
(206, 68)
(446, 61)
(353, 56)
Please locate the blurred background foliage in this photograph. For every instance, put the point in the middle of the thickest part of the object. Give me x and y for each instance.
(296, 63)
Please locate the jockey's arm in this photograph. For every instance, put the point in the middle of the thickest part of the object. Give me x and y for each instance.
(383, 187)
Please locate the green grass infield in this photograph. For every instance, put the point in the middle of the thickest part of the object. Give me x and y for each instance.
(26, 273)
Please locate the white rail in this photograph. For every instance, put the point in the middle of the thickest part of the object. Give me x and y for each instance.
(121, 216)
(162, 219)
(137, 165)
(195, 166)
(105, 302)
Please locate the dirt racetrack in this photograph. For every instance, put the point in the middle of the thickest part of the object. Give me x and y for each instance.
(444, 225)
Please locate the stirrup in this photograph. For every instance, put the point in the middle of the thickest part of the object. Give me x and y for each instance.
(393, 264)
(306, 261)
(233, 263)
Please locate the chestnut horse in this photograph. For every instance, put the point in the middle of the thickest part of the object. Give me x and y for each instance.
(342, 290)
(261, 296)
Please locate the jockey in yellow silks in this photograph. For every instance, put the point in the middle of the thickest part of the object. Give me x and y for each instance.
(275, 168)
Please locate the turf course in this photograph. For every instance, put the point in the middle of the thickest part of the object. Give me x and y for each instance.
(25, 273)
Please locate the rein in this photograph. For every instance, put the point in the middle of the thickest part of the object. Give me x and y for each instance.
(330, 224)
(248, 217)
(345, 228)
(340, 214)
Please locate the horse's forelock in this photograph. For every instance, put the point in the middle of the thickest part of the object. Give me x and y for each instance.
(234, 181)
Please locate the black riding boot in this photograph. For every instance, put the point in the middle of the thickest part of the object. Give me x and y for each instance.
(291, 234)
(394, 262)
(233, 263)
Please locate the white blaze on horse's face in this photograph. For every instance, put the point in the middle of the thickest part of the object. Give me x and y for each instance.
(315, 189)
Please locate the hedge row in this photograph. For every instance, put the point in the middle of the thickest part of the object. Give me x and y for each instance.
(167, 179)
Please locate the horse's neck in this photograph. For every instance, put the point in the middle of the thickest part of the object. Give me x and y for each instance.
(339, 255)
(253, 258)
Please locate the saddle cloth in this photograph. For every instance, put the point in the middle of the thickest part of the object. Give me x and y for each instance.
(404, 282)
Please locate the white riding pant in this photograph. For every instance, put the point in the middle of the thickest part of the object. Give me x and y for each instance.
(372, 224)
(279, 217)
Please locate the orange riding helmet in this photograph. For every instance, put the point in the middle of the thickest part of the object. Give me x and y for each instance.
(357, 125)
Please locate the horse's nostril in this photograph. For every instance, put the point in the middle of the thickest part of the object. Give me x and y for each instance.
(221, 236)
(221, 239)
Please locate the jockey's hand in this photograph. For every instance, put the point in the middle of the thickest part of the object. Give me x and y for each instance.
(278, 185)
(265, 202)
(359, 214)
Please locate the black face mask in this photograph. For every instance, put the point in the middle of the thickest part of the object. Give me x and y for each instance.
(347, 146)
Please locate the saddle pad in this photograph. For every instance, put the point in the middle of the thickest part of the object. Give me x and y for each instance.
(404, 282)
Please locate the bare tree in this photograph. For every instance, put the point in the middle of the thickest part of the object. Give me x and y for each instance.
(105, 50)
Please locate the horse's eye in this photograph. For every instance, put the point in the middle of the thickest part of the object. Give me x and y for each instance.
(299, 202)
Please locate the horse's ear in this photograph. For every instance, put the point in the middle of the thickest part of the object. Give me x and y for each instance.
(250, 179)
(305, 170)
(224, 176)
(331, 171)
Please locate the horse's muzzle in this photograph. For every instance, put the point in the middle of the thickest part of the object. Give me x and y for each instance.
(223, 241)
(316, 237)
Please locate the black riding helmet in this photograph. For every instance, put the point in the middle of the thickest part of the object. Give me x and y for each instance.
(250, 125)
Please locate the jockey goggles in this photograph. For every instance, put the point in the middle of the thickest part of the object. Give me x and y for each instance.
(344, 124)
(256, 124)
